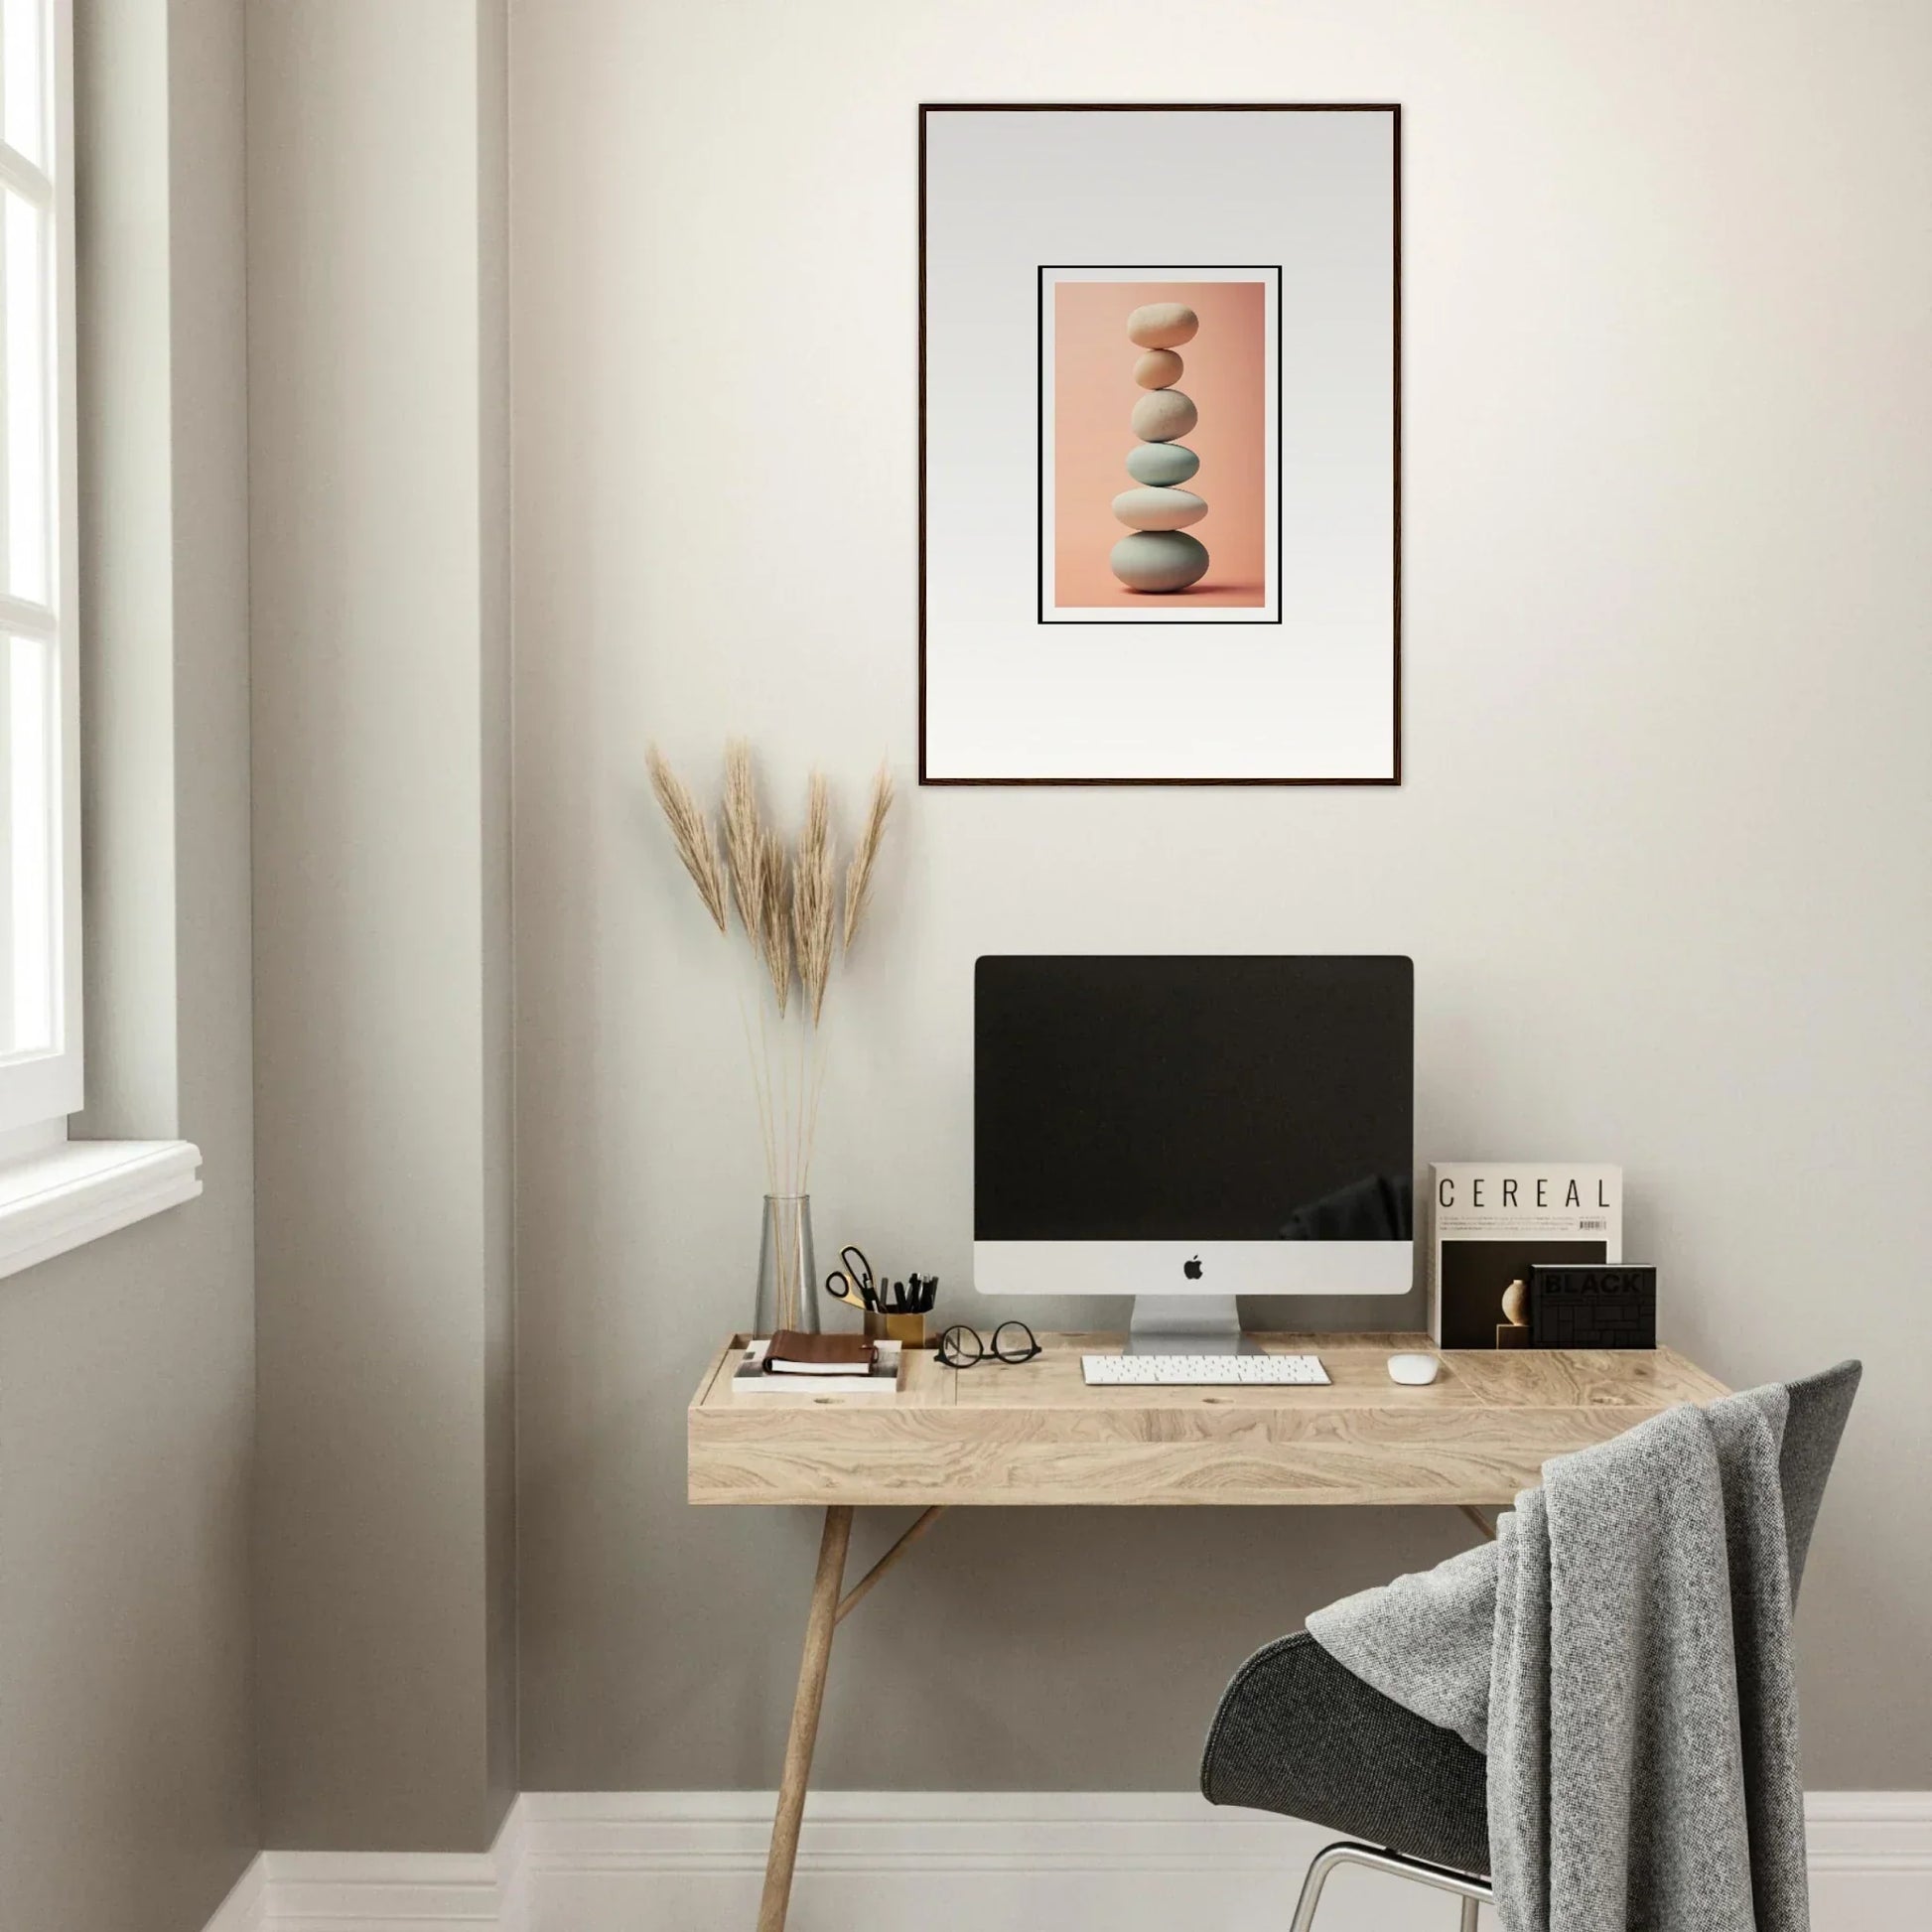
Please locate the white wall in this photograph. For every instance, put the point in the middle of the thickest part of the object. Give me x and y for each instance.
(1660, 855)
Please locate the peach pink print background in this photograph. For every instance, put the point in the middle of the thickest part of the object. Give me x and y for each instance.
(1094, 393)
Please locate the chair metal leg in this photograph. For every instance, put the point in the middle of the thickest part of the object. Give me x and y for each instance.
(1473, 1891)
(1325, 1863)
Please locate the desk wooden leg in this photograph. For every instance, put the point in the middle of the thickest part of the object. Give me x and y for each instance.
(1478, 1519)
(823, 1616)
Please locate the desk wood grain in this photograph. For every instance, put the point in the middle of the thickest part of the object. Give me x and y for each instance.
(1034, 1432)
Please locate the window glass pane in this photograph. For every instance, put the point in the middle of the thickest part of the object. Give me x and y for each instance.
(28, 471)
(22, 110)
(34, 884)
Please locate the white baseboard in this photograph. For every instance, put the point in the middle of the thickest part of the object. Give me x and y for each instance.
(386, 1891)
(246, 1909)
(1871, 1858)
(953, 1861)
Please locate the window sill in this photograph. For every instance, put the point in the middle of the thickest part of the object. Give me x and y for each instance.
(82, 1189)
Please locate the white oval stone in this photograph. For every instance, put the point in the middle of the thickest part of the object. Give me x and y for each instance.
(1162, 462)
(1162, 325)
(1159, 368)
(1162, 414)
(1159, 560)
(1159, 509)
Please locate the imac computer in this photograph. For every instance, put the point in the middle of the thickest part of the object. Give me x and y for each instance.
(1184, 1130)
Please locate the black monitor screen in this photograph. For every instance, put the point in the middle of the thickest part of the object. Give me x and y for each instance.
(1193, 1099)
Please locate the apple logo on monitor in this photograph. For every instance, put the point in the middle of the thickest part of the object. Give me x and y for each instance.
(1191, 1269)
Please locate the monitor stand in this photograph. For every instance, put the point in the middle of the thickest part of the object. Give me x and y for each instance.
(1187, 1324)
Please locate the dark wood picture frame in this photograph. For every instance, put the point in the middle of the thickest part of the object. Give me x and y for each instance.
(1390, 108)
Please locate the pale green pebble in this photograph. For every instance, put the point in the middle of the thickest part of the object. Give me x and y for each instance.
(1159, 560)
(1162, 464)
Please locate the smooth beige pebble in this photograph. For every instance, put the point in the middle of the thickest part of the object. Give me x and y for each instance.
(1162, 414)
(1159, 368)
(1162, 325)
(1159, 509)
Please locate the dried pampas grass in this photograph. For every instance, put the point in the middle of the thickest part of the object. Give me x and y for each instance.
(774, 916)
(813, 896)
(742, 841)
(691, 833)
(858, 874)
(787, 902)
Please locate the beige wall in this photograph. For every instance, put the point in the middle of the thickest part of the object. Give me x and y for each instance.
(378, 565)
(493, 913)
(126, 1368)
(1660, 857)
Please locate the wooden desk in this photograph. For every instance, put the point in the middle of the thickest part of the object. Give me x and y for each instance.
(1033, 1433)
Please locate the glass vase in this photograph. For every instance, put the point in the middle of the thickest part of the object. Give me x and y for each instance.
(787, 1274)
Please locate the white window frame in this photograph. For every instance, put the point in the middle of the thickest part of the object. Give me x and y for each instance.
(55, 1192)
(38, 1090)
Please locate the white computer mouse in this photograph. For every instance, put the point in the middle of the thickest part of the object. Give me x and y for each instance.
(1413, 1369)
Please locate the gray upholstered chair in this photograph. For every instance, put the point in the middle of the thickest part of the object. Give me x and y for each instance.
(1297, 1734)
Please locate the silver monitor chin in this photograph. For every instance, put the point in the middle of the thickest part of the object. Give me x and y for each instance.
(1183, 1296)
(1206, 1268)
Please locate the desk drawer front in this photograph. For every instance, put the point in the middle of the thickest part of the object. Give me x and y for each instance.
(1208, 1454)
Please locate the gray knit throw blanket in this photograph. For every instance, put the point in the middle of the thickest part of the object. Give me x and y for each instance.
(1622, 1652)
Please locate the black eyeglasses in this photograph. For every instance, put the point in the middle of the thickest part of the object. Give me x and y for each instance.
(1013, 1341)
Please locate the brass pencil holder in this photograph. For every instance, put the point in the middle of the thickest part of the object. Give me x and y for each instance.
(907, 1329)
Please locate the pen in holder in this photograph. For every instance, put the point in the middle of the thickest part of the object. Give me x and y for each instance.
(893, 1310)
(902, 1310)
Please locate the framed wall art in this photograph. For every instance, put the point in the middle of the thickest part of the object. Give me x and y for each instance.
(1159, 444)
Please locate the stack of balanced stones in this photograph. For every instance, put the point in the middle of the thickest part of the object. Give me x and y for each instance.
(1160, 555)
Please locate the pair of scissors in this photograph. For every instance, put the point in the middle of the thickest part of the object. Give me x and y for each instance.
(852, 1281)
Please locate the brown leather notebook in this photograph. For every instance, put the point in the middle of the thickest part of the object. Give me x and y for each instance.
(794, 1353)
